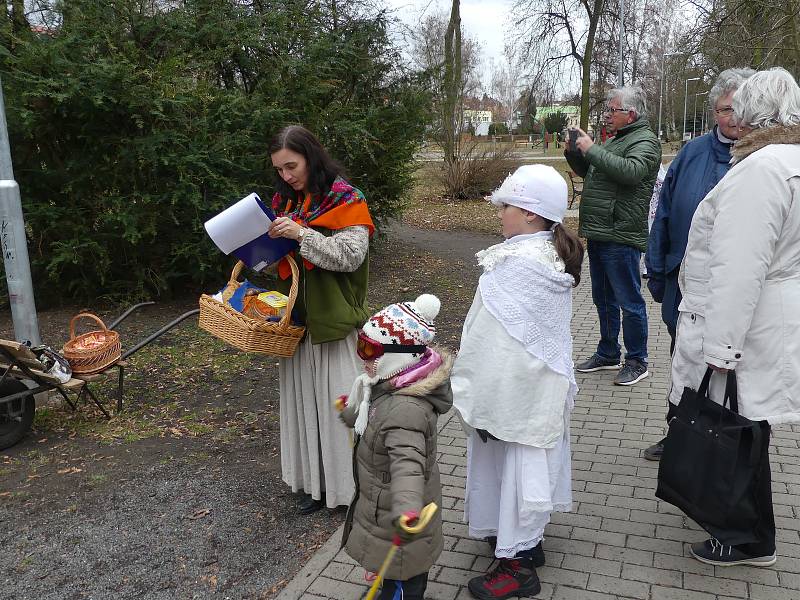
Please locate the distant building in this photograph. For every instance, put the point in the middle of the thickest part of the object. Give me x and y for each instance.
(573, 113)
(479, 119)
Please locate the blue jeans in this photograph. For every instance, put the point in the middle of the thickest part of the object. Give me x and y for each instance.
(616, 283)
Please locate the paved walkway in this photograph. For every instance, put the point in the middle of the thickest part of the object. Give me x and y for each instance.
(619, 541)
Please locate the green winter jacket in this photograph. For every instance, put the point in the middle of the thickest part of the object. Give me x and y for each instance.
(618, 184)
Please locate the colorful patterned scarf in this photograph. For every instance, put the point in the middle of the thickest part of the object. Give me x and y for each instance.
(350, 202)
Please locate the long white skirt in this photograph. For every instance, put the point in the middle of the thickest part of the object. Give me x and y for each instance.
(512, 489)
(316, 455)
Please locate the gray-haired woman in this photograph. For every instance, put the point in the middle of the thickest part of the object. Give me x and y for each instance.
(740, 280)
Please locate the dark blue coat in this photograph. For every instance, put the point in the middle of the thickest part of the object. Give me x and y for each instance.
(695, 171)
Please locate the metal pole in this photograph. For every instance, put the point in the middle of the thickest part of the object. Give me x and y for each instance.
(14, 244)
(685, 100)
(661, 95)
(620, 67)
(694, 121)
(661, 88)
(703, 117)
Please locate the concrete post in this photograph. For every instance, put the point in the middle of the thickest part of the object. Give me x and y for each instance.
(14, 246)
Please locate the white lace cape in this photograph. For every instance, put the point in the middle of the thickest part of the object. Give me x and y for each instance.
(524, 287)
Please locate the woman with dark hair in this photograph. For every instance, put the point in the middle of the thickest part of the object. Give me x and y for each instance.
(330, 220)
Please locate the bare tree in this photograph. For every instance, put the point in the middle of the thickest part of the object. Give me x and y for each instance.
(761, 33)
(557, 37)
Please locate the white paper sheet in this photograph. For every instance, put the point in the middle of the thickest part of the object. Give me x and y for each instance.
(239, 224)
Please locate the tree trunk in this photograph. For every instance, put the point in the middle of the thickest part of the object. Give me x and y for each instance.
(452, 83)
(19, 23)
(586, 69)
(792, 15)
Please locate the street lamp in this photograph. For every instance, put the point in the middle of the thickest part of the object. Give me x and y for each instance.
(694, 118)
(703, 117)
(661, 88)
(685, 100)
(621, 63)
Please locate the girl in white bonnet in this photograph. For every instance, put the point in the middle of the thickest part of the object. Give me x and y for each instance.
(513, 382)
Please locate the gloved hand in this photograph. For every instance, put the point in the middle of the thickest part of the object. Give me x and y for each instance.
(410, 518)
(656, 286)
(484, 435)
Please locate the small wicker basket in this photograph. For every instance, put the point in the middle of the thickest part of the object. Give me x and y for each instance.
(245, 333)
(94, 351)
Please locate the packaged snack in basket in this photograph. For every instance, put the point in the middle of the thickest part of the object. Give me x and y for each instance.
(265, 305)
(255, 309)
(276, 300)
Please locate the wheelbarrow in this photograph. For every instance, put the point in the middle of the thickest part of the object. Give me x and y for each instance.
(23, 378)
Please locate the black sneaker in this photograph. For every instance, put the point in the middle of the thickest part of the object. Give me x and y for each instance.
(595, 363)
(712, 552)
(655, 451)
(633, 371)
(512, 578)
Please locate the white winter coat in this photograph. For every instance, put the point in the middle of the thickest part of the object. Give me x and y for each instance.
(740, 280)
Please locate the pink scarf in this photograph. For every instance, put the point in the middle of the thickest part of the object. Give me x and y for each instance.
(429, 362)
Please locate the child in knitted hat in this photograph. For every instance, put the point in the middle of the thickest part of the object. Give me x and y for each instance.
(393, 408)
(513, 382)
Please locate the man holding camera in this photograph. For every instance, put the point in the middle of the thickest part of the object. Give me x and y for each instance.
(618, 183)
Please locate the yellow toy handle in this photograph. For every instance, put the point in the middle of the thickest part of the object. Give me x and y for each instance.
(425, 516)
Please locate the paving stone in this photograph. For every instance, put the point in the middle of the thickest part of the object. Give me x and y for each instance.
(628, 527)
(441, 591)
(615, 585)
(624, 555)
(715, 585)
(658, 592)
(456, 559)
(571, 546)
(601, 537)
(341, 590)
(656, 545)
(336, 570)
(564, 592)
(563, 576)
(683, 564)
(652, 575)
(611, 512)
(592, 565)
(455, 576)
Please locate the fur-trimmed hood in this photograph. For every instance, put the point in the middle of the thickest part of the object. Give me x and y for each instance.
(435, 388)
(761, 138)
(439, 376)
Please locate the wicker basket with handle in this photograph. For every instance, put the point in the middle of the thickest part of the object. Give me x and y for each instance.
(94, 351)
(252, 335)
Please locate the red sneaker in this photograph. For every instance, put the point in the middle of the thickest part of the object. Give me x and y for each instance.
(512, 578)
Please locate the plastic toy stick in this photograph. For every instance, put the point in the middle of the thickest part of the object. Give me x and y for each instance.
(423, 520)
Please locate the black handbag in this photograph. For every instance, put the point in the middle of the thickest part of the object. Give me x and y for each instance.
(712, 462)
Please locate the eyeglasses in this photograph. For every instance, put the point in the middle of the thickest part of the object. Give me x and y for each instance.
(610, 109)
(725, 111)
(369, 349)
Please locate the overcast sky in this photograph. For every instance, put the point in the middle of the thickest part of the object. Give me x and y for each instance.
(484, 20)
